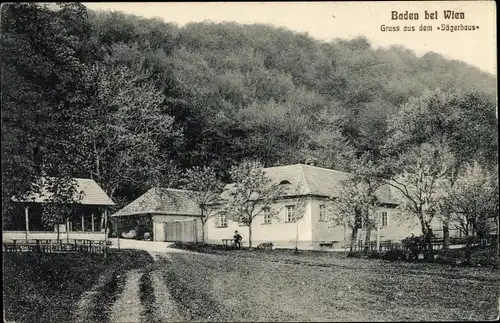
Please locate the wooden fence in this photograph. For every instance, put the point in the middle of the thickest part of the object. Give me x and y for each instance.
(53, 246)
(181, 231)
(437, 243)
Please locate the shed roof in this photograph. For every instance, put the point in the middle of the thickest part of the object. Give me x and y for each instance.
(88, 192)
(167, 201)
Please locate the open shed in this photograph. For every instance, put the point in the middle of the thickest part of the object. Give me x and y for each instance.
(88, 218)
(170, 214)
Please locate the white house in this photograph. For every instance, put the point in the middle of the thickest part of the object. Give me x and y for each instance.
(312, 230)
(176, 217)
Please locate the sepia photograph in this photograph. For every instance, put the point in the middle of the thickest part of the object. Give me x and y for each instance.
(315, 161)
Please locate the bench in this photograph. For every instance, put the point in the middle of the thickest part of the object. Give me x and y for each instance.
(230, 243)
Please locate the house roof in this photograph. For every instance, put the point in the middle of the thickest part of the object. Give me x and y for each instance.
(162, 201)
(313, 180)
(87, 190)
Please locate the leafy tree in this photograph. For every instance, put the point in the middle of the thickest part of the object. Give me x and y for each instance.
(251, 194)
(42, 94)
(125, 130)
(357, 200)
(419, 177)
(473, 202)
(204, 188)
(447, 118)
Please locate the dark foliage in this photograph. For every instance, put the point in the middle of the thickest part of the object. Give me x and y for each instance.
(84, 92)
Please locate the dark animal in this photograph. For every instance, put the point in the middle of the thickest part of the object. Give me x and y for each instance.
(265, 246)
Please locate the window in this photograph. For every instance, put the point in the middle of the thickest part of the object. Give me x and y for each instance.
(290, 213)
(221, 221)
(384, 219)
(267, 216)
(322, 213)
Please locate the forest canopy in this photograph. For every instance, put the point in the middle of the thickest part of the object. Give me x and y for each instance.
(132, 100)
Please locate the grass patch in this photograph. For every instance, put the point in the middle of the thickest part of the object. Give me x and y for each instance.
(252, 286)
(47, 287)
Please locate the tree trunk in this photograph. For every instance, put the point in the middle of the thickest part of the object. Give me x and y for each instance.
(353, 237)
(203, 231)
(250, 235)
(203, 221)
(446, 235)
(427, 238)
(468, 253)
(498, 236)
(368, 236)
(296, 236)
(427, 242)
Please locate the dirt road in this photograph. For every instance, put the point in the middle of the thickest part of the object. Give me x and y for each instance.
(139, 295)
(177, 286)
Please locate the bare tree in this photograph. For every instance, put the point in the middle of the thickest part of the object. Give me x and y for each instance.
(251, 194)
(473, 202)
(204, 188)
(357, 200)
(420, 182)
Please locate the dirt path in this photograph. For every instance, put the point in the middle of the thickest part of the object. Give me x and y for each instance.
(128, 307)
(166, 310)
(138, 295)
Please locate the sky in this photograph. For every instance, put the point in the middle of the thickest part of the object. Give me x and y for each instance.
(330, 20)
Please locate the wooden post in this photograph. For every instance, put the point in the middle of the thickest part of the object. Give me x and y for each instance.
(67, 230)
(92, 217)
(345, 240)
(378, 231)
(26, 214)
(117, 232)
(105, 230)
(83, 224)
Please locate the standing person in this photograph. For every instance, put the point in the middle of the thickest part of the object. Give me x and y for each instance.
(237, 239)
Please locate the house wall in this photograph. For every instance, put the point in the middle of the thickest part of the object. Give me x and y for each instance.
(279, 232)
(397, 227)
(324, 231)
(312, 232)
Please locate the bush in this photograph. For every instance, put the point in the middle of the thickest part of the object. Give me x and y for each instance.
(394, 255)
(374, 255)
(354, 254)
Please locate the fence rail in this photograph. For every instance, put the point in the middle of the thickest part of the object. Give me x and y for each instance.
(53, 246)
(437, 243)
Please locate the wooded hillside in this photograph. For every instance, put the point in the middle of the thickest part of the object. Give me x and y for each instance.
(131, 100)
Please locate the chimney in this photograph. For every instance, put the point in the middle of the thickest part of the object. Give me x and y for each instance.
(311, 161)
